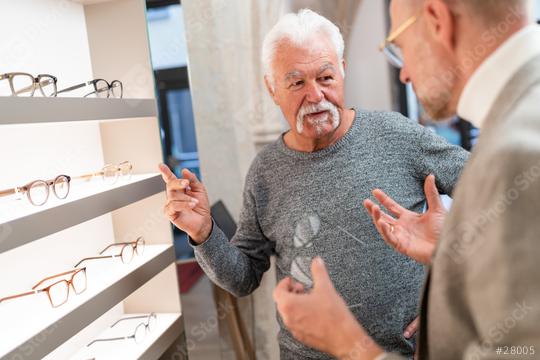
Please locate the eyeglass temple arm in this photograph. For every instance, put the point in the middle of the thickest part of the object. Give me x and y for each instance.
(89, 176)
(111, 339)
(97, 91)
(399, 30)
(23, 90)
(74, 87)
(132, 317)
(20, 295)
(97, 258)
(55, 276)
(8, 192)
(30, 87)
(117, 244)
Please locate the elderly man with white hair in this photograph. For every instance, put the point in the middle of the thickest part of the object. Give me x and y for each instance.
(303, 193)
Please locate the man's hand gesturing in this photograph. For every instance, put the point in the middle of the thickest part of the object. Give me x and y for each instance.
(411, 234)
(187, 204)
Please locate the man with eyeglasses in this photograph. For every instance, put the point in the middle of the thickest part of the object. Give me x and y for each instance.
(481, 299)
(303, 192)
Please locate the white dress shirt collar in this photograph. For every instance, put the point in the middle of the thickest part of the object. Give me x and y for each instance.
(487, 82)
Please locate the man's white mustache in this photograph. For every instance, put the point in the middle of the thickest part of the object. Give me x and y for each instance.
(315, 108)
(324, 105)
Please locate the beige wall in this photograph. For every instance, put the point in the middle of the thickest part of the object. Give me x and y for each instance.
(368, 74)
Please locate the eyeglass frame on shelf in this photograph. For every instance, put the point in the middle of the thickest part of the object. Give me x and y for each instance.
(152, 314)
(35, 80)
(96, 90)
(101, 173)
(133, 244)
(47, 288)
(26, 189)
(384, 47)
(146, 327)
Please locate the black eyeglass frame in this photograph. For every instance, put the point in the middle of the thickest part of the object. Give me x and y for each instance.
(96, 90)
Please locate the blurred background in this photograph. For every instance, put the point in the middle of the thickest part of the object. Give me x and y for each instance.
(215, 115)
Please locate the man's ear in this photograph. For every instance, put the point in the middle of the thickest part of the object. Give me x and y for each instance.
(440, 23)
(270, 88)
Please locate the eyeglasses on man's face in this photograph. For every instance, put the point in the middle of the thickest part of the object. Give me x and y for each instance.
(102, 88)
(126, 254)
(24, 84)
(38, 191)
(141, 330)
(58, 291)
(389, 48)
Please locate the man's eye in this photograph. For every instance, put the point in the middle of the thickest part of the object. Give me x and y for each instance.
(326, 78)
(297, 83)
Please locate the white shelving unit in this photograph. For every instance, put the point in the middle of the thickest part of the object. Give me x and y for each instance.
(166, 326)
(41, 138)
(92, 200)
(23, 110)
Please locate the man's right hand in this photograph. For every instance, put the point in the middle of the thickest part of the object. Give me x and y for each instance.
(187, 204)
(411, 234)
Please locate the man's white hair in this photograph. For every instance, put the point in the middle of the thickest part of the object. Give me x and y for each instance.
(299, 28)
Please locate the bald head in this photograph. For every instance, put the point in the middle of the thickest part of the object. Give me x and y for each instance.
(453, 38)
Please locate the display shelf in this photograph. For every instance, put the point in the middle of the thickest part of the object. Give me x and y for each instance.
(21, 110)
(36, 328)
(168, 327)
(22, 222)
(81, 40)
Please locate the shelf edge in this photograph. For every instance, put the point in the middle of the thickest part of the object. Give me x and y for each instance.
(29, 228)
(69, 325)
(18, 110)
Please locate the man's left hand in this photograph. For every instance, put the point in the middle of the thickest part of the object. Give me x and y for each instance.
(321, 319)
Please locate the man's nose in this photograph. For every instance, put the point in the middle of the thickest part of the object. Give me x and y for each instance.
(404, 75)
(314, 93)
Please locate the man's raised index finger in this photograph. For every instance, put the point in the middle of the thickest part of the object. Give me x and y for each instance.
(166, 173)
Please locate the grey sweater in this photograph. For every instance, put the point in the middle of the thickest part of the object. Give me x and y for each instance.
(298, 205)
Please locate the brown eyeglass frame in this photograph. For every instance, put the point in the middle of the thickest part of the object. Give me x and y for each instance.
(46, 289)
(25, 189)
(118, 166)
(133, 244)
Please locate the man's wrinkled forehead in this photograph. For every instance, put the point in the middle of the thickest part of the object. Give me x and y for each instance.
(290, 56)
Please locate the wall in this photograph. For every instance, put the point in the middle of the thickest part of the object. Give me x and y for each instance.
(368, 73)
